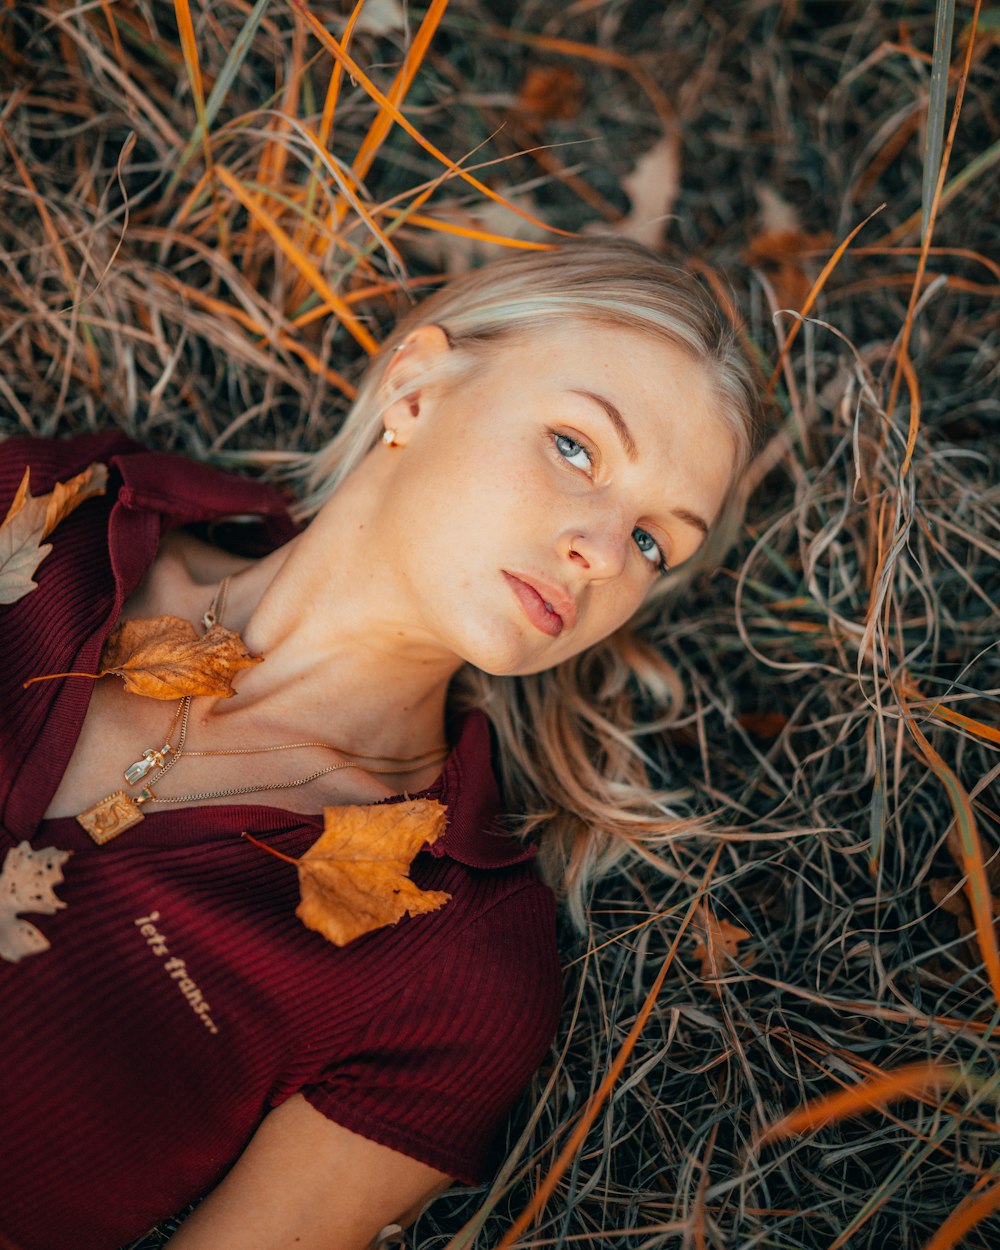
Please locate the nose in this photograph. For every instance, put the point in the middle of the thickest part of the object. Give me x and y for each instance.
(598, 550)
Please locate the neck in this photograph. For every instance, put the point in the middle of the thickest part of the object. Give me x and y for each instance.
(338, 632)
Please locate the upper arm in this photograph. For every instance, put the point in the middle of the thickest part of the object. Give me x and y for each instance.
(307, 1182)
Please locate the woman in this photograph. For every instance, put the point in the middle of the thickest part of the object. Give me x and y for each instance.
(534, 449)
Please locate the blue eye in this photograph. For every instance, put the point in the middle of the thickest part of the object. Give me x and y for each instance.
(649, 547)
(571, 450)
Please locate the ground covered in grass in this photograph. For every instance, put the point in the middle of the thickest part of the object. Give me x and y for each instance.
(218, 295)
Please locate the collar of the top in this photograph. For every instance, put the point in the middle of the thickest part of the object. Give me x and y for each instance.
(467, 786)
(188, 492)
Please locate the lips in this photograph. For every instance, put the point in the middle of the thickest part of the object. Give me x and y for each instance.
(548, 607)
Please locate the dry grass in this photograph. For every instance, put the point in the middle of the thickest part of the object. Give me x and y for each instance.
(208, 267)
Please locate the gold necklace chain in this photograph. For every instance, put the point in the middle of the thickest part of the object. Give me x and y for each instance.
(120, 811)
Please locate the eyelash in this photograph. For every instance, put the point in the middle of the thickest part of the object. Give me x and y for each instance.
(660, 565)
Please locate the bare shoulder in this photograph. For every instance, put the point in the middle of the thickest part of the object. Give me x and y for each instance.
(306, 1181)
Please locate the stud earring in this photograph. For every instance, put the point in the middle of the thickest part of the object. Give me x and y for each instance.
(389, 438)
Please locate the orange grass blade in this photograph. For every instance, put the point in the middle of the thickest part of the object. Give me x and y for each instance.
(401, 84)
(814, 291)
(189, 47)
(965, 252)
(468, 232)
(300, 260)
(349, 196)
(913, 386)
(223, 309)
(906, 1082)
(359, 76)
(904, 341)
(306, 234)
(977, 884)
(336, 78)
(989, 732)
(53, 234)
(546, 1189)
(969, 1212)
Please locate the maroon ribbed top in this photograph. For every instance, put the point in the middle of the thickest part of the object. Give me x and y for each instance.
(181, 998)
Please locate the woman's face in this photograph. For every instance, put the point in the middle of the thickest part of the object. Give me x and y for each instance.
(530, 511)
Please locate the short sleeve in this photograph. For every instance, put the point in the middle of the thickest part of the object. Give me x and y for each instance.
(443, 1063)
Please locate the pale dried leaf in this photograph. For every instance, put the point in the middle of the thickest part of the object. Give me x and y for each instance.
(21, 548)
(29, 520)
(381, 17)
(27, 884)
(652, 188)
(776, 214)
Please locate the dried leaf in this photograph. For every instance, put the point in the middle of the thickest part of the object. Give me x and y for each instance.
(719, 939)
(353, 879)
(783, 249)
(652, 187)
(550, 93)
(28, 883)
(30, 520)
(66, 496)
(763, 724)
(164, 657)
(944, 893)
(948, 895)
(380, 17)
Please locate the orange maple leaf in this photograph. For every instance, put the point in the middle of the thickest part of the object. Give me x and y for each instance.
(718, 940)
(353, 879)
(164, 657)
(30, 520)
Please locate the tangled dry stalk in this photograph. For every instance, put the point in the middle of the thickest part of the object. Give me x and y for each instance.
(207, 227)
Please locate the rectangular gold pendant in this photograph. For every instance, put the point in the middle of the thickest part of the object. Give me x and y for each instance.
(110, 817)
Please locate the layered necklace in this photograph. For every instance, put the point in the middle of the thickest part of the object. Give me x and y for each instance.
(120, 811)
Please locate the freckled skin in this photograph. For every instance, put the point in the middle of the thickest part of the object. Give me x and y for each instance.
(479, 486)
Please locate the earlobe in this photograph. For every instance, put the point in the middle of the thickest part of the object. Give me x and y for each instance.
(411, 361)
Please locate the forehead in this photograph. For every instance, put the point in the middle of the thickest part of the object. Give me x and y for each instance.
(649, 378)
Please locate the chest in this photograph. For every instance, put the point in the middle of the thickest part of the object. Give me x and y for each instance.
(193, 762)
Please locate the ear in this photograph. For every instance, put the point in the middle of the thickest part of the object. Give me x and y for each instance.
(409, 361)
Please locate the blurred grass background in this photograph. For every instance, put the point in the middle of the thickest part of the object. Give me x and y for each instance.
(210, 214)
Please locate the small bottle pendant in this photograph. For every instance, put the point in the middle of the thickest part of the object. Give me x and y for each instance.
(150, 759)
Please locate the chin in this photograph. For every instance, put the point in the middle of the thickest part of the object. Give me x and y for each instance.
(515, 667)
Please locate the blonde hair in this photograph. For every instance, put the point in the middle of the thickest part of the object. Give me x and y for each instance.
(569, 751)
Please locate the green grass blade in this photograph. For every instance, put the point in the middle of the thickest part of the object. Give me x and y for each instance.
(937, 107)
(227, 76)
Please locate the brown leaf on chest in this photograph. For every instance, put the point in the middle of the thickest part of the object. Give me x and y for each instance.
(164, 657)
(354, 878)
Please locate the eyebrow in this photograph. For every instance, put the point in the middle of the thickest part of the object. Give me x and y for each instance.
(617, 420)
(632, 451)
